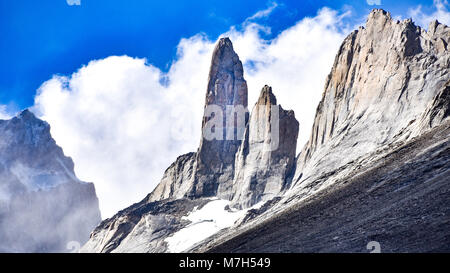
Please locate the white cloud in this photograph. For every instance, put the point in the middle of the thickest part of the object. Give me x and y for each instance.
(263, 13)
(120, 124)
(73, 2)
(373, 2)
(4, 114)
(441, 13)
(124, 121)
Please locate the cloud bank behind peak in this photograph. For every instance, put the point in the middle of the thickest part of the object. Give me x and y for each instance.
(124, 121)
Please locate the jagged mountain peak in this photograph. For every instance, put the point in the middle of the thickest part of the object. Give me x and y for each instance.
(265, 160)
(226, 69)
(27, 139)
(266, 97)
(27, 114)
(377, 15)
(43, 205)
(224, 42)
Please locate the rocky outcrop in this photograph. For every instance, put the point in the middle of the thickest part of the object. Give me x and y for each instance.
(265, 160)
(177, 180)
(43, 206)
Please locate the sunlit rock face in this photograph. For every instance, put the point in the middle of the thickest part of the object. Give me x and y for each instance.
(384, 78)
(265, 160)
(43, 206)
(376, 166)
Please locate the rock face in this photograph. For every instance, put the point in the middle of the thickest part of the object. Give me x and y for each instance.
(226, 94)
(382, 82)
(177, 180)
(378, 150)
(266, 157)
(43, 206)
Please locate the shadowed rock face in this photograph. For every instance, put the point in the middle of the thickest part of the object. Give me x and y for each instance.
(43, 206)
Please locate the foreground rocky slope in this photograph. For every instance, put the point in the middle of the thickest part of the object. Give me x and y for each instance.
(379, 144)
(400, 200)
(43, 206)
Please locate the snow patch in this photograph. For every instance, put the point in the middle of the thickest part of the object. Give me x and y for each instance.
(205, 222)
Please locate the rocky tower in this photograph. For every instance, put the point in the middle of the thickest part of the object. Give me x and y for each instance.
(265, 160)
(217, 169)
(226, 93)
(384, 77)
(209, 171)
(252, 165)
(43, 206)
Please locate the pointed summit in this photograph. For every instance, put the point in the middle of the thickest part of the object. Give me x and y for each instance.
(210, 171)
(226, 83)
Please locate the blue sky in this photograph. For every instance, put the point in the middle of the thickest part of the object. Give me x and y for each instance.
(40, 38)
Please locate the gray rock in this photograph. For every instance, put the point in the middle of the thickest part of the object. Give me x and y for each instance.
(383, 79)
(266, 157)
(210, 171)
(177, 180)
(142, 227)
